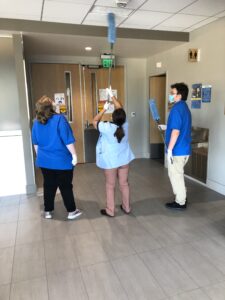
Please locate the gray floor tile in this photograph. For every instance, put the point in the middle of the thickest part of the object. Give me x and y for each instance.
(90, 242)
(35, 289)
(79, 226)
(66, 285)
(4, 292)
(10, 200)
(164, 235)
(193, 295)
(101, 222)
(102, 283)
(195, 265)
(28, 270)
(216, 292)
(88, 249)
(8, 234)
(29, 211)
(139, 238)
(213, 251)
(167, 271)
(6, 263)
(136, 279)
(60, 255)
(114, 243)
(9, 214)
(54, 229)
(29, 231)
(31, 251)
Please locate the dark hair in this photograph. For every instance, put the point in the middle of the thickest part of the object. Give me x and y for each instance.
(119, 118)
(44, 109)
(182, 89)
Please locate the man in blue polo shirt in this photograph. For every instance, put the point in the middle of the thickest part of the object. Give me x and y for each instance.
(178, 142)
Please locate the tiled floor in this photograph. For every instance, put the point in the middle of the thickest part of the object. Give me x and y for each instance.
(151, 254)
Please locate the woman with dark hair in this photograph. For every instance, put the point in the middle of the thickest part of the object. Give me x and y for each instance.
(113, 154)
(53, 141)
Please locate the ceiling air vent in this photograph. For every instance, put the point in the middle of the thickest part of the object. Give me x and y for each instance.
(122, 3)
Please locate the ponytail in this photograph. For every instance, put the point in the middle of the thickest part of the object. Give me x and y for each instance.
(119, 118)
(119, 133)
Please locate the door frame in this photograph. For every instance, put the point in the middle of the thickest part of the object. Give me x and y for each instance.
(165, 73)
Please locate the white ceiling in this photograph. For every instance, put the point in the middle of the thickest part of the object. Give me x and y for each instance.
(168, 15)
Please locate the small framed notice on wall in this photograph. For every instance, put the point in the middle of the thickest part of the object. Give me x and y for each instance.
(194, 55)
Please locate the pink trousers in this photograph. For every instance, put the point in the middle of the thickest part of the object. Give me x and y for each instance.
(111, 176)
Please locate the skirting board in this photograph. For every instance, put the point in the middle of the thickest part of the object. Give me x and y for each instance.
(216, 186)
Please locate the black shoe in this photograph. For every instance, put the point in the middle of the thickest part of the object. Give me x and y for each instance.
(175, 205)
(104, 213)
(121, 207)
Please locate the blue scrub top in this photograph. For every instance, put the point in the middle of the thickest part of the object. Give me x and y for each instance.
(52, 139)
(109, 153)
(180, 119)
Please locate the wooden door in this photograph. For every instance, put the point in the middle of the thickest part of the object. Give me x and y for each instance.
(117, 83)
(48, 79)
(157, 91)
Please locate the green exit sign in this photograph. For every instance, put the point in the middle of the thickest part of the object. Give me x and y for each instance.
(107, 63)
(108, 60)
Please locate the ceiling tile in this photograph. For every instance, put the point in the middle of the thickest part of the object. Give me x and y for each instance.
(220, 15)
(133, 4)
(171, 28)
(100, 20)
(21, 9)
(146, 18)
(84, 2)
(205, 7)
(65, 12)
(170, 6)
(200, 24)
(134, 26)
(182, 20)
(103, 10)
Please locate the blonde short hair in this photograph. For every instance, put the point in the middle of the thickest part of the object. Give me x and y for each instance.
(44, 109)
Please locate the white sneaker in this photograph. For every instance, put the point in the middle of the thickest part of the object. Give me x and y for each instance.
(73, 215)
(48, 215)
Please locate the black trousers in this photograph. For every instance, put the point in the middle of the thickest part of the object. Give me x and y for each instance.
(61, 179)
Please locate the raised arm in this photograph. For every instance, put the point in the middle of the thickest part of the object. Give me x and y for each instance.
(98, 117)
(113, 98)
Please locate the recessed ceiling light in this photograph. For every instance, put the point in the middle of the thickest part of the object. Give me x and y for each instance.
(88, 48)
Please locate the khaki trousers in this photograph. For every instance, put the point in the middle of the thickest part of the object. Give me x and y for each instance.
(176, 175)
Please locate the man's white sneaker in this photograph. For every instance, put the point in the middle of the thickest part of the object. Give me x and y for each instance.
(73, 215)
(47, 215)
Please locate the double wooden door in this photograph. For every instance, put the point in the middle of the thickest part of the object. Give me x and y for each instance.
(84, 84)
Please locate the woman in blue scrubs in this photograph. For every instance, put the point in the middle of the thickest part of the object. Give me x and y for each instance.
(53, 141)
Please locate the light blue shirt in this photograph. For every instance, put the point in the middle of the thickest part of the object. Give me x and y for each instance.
(109, 153)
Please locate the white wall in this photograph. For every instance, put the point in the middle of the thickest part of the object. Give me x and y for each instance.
(16, 164)
(136, 101)
(9, 112)
(210, 70)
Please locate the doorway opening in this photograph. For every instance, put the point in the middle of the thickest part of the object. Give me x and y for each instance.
(157, 91)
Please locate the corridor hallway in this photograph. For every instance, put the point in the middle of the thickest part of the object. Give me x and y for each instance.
(152, 254)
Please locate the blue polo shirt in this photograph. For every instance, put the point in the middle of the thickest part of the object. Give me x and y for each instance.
(109, 153)
(180, 119)
(52, 139)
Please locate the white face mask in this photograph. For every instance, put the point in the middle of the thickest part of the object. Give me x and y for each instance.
(171, 98)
